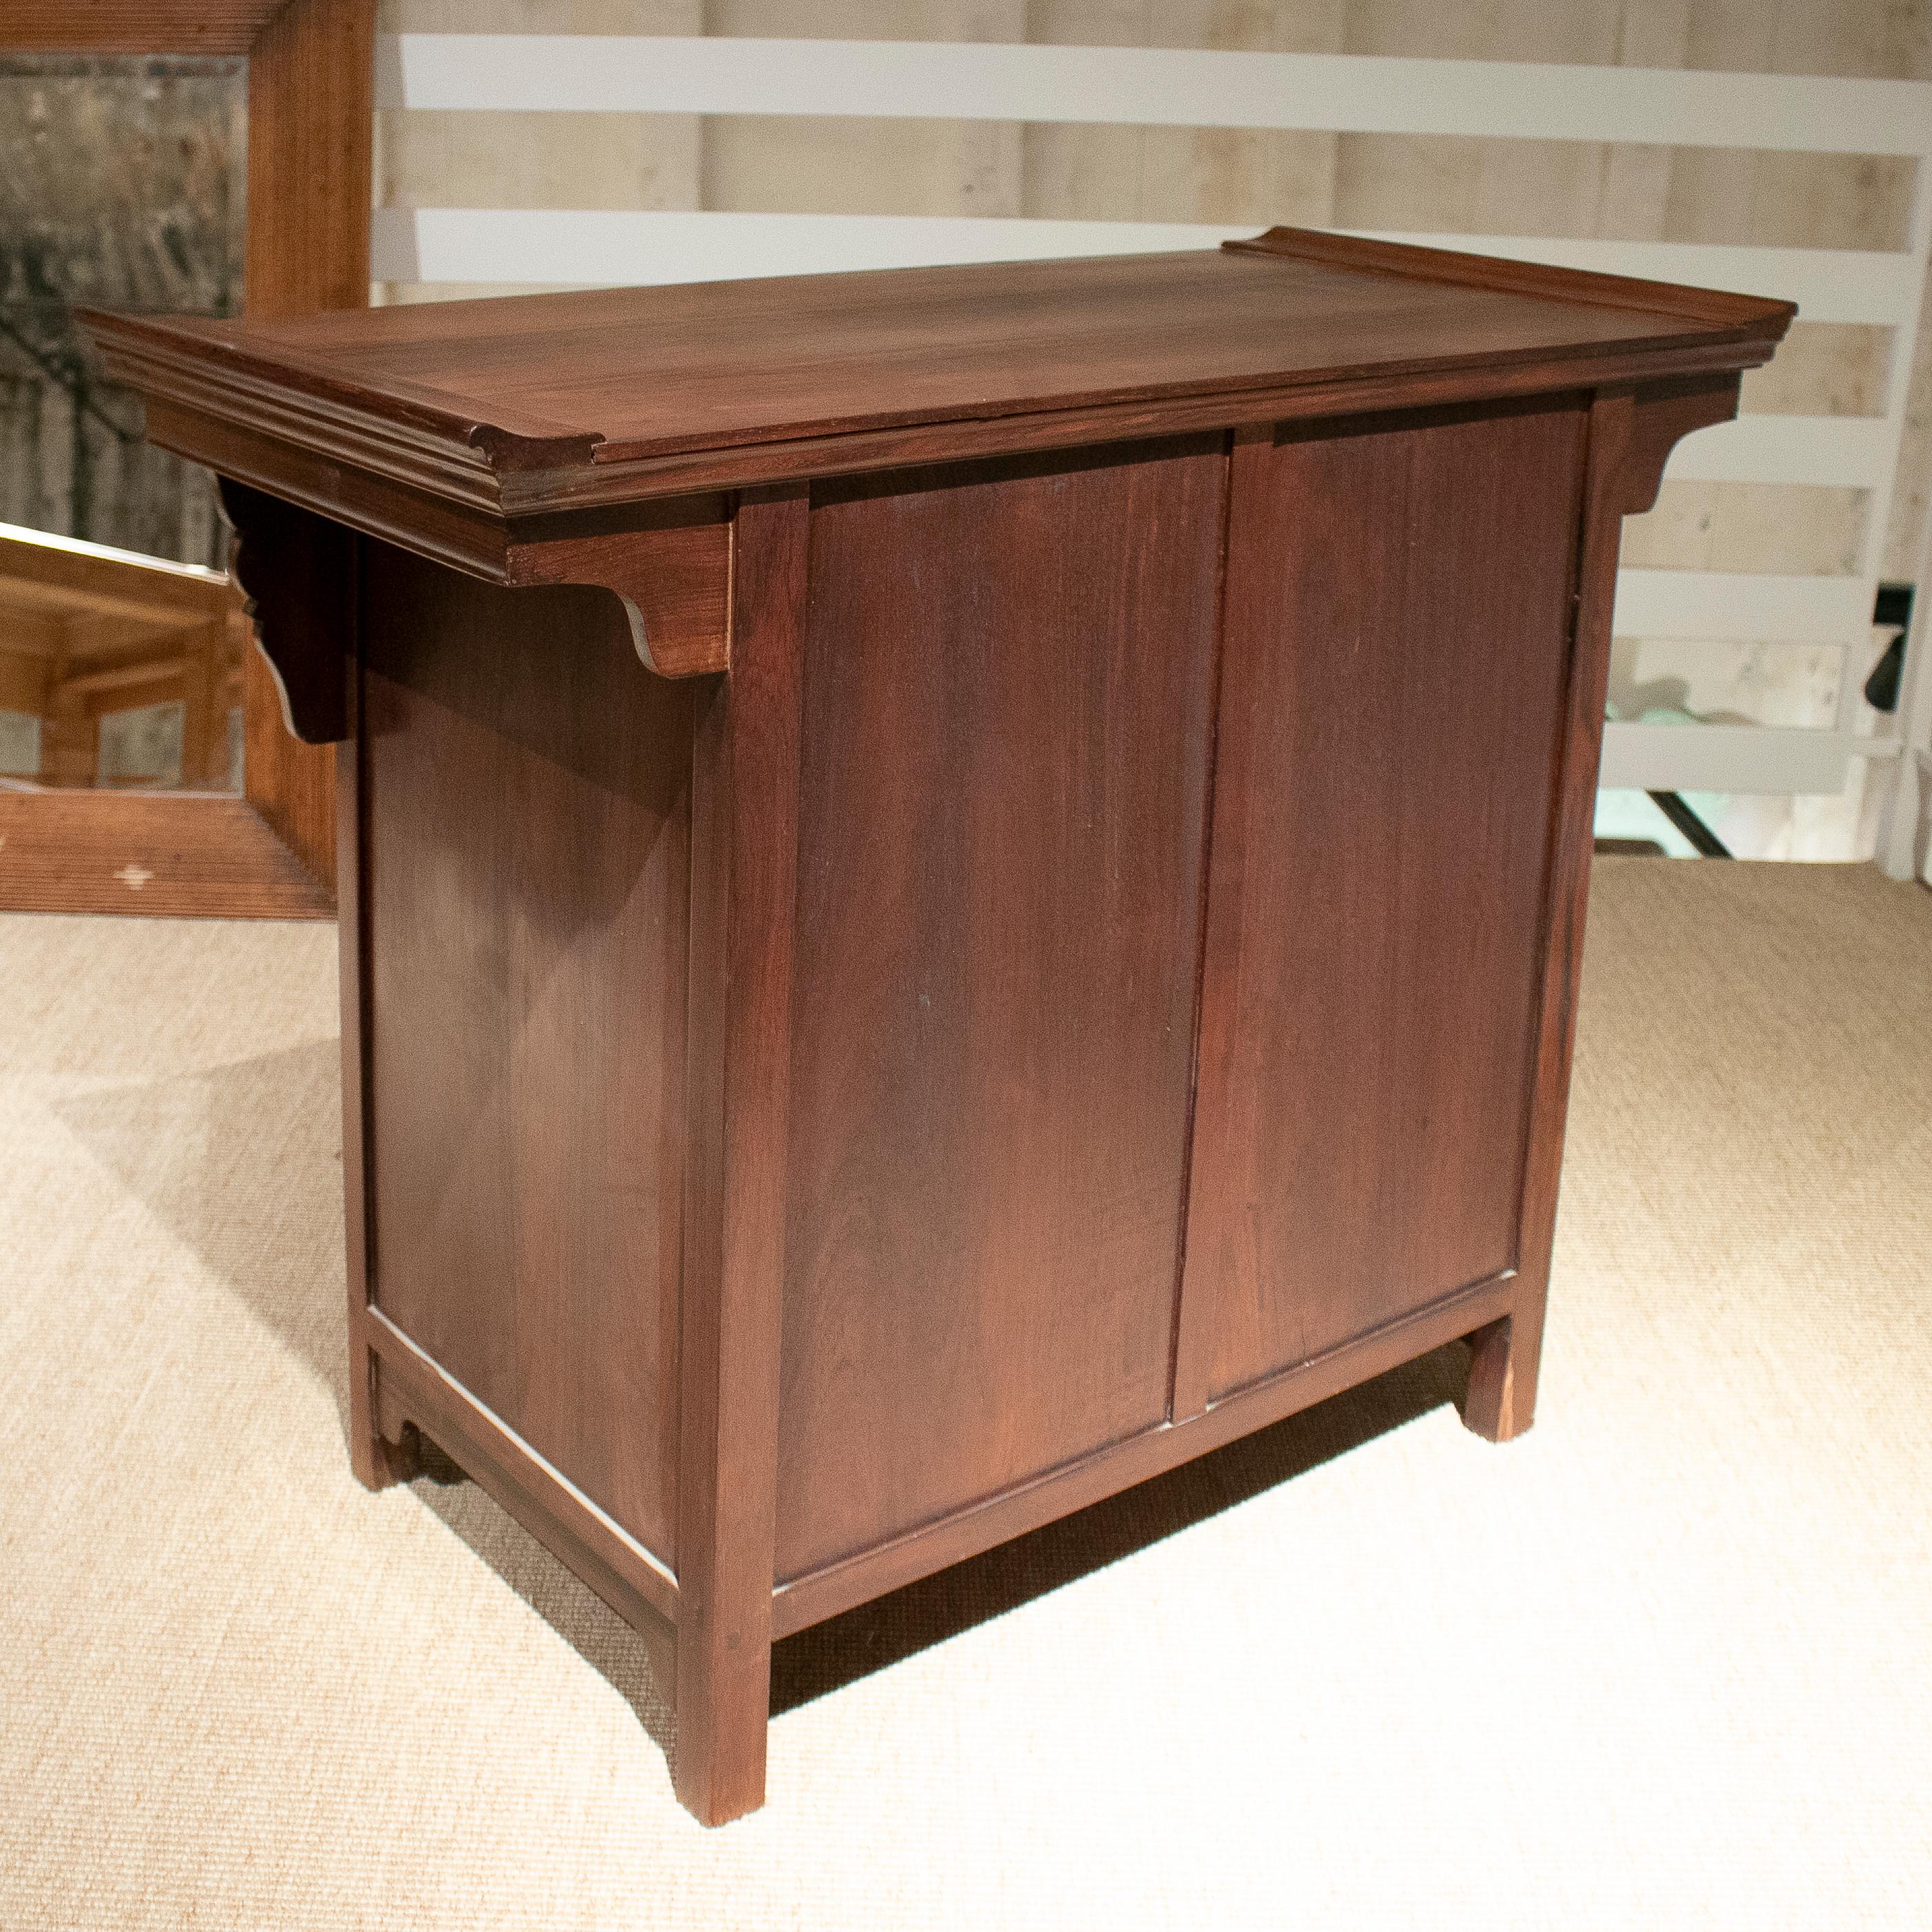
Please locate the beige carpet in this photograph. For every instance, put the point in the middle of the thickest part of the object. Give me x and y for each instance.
(1665, 1662)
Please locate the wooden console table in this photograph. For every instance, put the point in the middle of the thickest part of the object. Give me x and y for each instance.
(1064, 950)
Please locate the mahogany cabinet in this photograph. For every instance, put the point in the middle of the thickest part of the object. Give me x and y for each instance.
(956, 885)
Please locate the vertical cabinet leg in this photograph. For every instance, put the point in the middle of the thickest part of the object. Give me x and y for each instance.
(744, 851)
(723, 1707)
(376, 1460)
(1620, 474)
(368, 1454)
(1501, 1401)
(376, 1463)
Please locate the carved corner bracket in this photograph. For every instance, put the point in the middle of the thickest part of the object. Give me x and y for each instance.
(296, 572)
(670, 564)
(1662, 414)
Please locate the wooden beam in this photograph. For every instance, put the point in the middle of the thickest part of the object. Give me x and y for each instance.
(310, 90)
(31, 602)
(113, 680)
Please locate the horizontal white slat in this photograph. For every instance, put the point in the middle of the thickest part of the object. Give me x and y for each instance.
(1753, 609)
(1723, 757)
(612, 246)
(1153, 87)
(1849, 452)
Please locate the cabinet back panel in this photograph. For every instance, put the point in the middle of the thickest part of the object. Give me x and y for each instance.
(526, 815)
(1397, 635)
(1008, 672)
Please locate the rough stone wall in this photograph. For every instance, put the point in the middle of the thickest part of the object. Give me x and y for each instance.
(122, 183)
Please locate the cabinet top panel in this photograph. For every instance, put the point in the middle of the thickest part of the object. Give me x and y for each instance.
(528, 403)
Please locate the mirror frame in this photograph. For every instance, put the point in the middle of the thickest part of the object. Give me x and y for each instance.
(271, 853)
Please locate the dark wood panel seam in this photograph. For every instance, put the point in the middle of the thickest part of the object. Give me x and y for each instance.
(1178, 1361)
(800, 1601)
(1483, 1284)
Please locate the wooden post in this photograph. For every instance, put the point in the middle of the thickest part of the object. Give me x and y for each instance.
(310, 103)
(744, 854)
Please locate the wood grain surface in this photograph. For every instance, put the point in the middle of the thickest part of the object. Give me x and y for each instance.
(1631, 434)
(541, 403)
(694, 365)
(1000, 836)
(1077, 958)
(995, 1519)
(745, 844)
(525, 913)
(671, 563)
(1383, 782)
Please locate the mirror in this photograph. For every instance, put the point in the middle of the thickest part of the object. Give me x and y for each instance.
(122, 182)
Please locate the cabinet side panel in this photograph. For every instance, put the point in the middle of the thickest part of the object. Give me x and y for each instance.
(528, 850)
(1003, 797)
(1398, 621)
